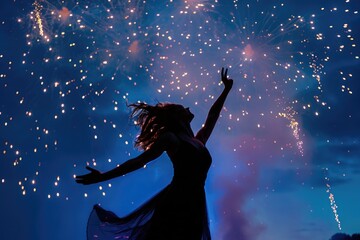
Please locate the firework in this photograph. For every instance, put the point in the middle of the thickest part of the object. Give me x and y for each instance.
(38, 18)
(290, 114)
(333, 205)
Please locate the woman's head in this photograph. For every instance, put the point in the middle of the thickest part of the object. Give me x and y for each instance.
(154, 120)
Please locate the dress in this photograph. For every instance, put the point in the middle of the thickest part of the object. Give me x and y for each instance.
(177, 212)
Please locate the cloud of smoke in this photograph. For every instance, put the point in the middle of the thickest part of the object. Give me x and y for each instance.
(237, 222)
(243, 179)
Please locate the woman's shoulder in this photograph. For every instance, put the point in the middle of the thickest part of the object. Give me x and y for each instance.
(169, 137)
(170, 140)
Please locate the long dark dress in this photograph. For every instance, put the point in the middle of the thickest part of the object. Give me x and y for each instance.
(177, 212)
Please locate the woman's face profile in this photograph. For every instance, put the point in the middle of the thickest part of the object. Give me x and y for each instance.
(183, 114)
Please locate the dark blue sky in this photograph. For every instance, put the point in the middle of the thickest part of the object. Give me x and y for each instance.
(285, 150)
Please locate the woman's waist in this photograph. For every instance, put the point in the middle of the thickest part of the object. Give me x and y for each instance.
(188, 181)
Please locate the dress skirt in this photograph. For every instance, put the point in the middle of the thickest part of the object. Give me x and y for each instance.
(178, 212)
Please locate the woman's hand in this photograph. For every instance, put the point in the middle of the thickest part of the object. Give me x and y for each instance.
(93, 177)
(227, 81)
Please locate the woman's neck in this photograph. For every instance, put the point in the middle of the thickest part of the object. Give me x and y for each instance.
(185, 130)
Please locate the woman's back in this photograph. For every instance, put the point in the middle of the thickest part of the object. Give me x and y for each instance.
(191, 163)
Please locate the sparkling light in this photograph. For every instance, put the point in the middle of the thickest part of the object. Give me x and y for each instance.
(333, 205)
(82, 61)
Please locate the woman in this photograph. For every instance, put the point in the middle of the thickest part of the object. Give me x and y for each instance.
(178, 211)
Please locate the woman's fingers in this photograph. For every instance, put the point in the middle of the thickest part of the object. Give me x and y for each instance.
(79, 179)
(224, 73)
(82, 179)
(93, 170)
(90, 168)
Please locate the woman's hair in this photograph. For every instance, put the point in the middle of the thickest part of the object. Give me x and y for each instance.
(153, 121)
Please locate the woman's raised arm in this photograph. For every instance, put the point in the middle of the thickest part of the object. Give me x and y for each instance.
(214, 112)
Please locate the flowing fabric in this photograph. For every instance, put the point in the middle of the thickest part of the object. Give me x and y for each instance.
(177, 212)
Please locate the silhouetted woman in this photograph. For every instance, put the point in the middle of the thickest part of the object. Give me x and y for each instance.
(179, 211)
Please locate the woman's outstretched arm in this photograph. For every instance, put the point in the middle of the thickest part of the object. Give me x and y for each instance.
(213, 115)
(165, 142)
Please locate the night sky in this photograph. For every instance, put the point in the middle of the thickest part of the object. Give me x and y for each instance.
(286, 149)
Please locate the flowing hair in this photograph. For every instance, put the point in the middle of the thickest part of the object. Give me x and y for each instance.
(153, 121)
